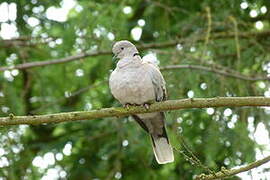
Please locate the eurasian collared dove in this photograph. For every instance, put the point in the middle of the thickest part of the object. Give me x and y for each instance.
(135, 82)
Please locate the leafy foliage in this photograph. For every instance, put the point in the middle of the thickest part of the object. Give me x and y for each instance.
(216, 34)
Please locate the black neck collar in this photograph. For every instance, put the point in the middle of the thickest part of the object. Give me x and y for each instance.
(136, 54)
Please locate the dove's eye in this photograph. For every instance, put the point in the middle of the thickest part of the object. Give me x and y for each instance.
(122, 48)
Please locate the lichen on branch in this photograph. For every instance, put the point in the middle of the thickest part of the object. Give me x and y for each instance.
(119, 111)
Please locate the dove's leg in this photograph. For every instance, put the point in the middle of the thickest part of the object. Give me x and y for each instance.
(128, 105)
(146, 105)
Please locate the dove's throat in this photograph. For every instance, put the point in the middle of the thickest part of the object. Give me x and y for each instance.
(129, 61)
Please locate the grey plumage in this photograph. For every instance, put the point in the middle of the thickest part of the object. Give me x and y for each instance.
(137, 82)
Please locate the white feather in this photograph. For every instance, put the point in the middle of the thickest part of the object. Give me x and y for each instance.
(162, 150)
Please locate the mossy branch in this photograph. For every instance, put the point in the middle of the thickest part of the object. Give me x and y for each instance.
(224, 173)
(119, 111)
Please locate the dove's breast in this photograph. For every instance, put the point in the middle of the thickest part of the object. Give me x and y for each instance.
(131, 85)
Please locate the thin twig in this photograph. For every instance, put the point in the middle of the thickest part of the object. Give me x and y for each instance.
(209, 26)
(54, 61)
(195, 159)
(236, 38)
(25, 41)
(217, 71)
(73, 94)
(189, 159)
(225, 173)
(220, 35)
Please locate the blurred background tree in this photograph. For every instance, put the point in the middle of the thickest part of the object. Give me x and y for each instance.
(223, 48)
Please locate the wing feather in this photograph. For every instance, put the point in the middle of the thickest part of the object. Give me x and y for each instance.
(158, 82)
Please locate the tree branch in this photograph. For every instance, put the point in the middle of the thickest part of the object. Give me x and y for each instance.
(54, 61)
(119, 111)
(220, 35)
(24, 41)
(224, 173)
(217, 71)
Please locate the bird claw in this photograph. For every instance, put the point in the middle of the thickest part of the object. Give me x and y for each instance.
(146, 106)
(127, 106)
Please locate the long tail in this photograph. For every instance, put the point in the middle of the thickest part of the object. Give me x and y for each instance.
(162, 149)
(154, 124)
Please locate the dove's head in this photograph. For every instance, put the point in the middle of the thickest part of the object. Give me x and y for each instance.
(124, 48)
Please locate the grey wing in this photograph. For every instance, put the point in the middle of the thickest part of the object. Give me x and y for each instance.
(158, 83)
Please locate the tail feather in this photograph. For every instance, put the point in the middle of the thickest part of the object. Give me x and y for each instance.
(162, 150)
(154, 124)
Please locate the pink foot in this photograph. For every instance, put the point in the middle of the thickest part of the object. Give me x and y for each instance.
(127, 105)
(146, 106)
